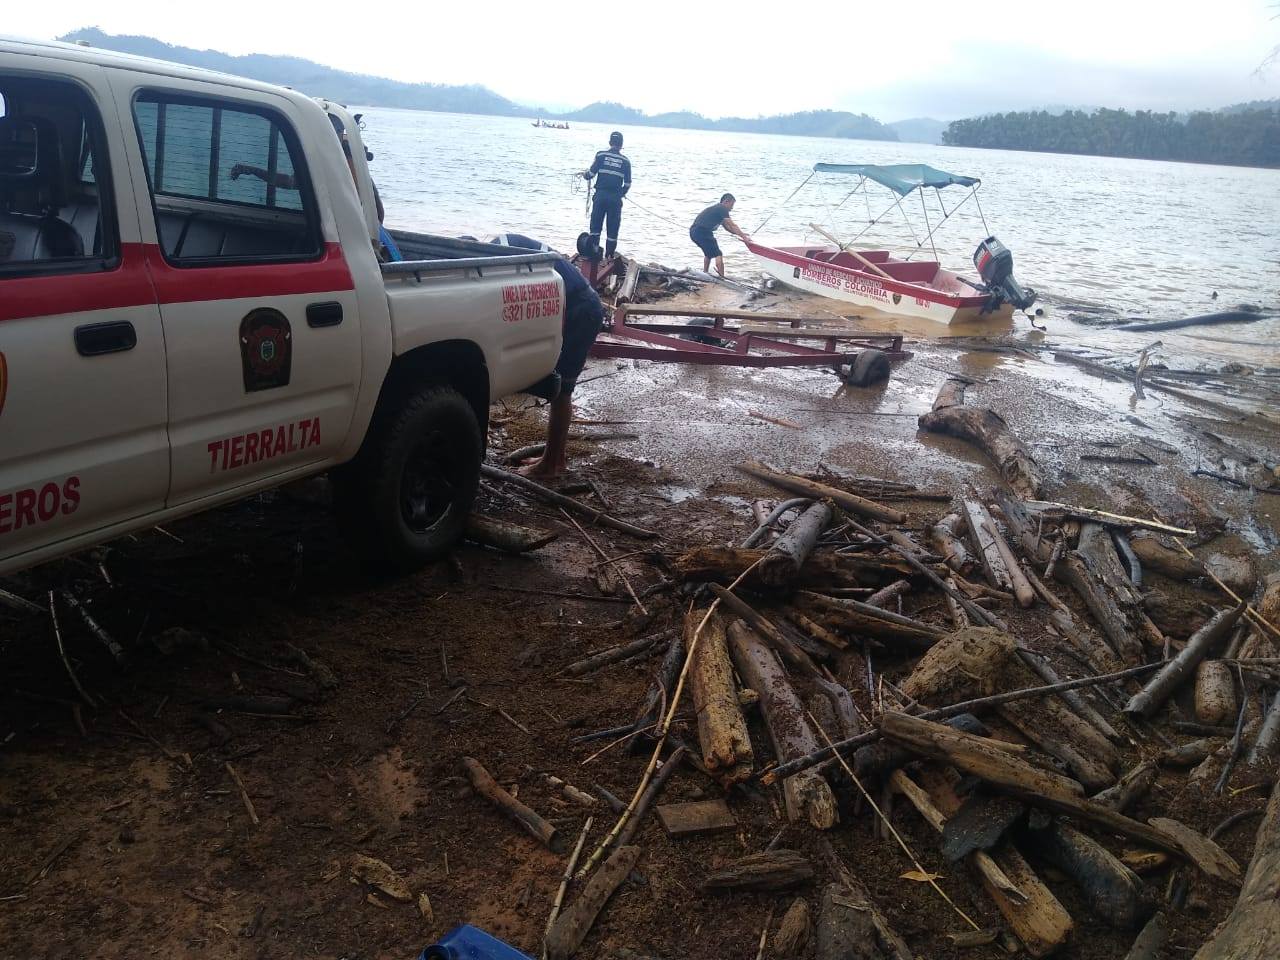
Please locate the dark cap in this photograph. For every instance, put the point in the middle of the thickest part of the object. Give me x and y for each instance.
(615, 139)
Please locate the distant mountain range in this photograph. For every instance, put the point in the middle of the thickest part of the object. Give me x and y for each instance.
(319, 80)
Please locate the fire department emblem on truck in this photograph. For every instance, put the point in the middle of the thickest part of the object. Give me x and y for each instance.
(266, 349)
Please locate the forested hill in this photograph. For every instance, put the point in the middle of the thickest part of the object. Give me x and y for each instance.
(318, 80)
(1247, 135)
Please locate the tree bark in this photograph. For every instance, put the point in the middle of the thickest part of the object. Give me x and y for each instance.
(1252, 929)
(722, 731)
(821, 491)
(981, 662)
(530, 821)
(993, 563)
(987, 431)
(1112, 891)
(850, 616)
(783, 561)
(1073, 570)
(1178, 670)
(509, 537)
(1034, 914)
(1043, 789)
(807, 794)
(847, 927)
(572, 927)
(945, 536)
(772, 870)
(663, 684)
(1155, 555)
(1215, 693)
(725, 564)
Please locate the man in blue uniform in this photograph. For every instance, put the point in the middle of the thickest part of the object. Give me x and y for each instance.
(583, 321)
(612, 172)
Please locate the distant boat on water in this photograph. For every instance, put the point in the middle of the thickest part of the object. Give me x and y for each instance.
(550, 126)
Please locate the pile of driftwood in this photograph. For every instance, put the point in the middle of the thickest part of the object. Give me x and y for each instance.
(1017, 672)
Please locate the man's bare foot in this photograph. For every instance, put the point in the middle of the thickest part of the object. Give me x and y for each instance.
(544, 470)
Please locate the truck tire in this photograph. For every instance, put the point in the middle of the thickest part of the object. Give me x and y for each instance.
(404, 500)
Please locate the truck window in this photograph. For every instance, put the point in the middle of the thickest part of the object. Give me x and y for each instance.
(52, 219)
(225, 181)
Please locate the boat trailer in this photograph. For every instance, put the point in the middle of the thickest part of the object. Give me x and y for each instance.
(708, 340)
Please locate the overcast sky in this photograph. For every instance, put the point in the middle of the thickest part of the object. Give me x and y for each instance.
(892, 60)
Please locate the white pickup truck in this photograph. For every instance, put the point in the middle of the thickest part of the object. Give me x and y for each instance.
(194, 307)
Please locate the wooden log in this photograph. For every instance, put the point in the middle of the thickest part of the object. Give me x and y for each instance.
(650, 794)
(814, 629)
(1156, 555)
(560, 500)
(993, 563)
(1112, 891)
(821, 491)
(887, 595)
(722, 730)
(1073, 570)
(725, 565)
(523, 816)
(781, 564)
(984, 662)
(1252, 929)
(1190, 753)
(1034, 914)
(1216, 702)
(1150, 942)
(772, 870)
(1267, 745)
(858, 618)
(695, 818)
(612, 655)
(1053, 510)
(847, 927)
(807, 794)
(1130, 788)
(1021, 585)
(1178, 670)
(1237, 572)
(572, 926)
(1044, 789)
(506, 536)
(1041, 667)
(987, 431)
(794, 931)
(662, 685)
(945, 536)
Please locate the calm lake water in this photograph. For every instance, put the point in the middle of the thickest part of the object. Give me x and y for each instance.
(1125, 238)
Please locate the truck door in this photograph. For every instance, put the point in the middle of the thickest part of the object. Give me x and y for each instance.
(83, 444)
(256, 299)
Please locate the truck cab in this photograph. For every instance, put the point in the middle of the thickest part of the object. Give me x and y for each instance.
(194, 307)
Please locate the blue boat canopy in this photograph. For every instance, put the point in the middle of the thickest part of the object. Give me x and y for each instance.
(901, 178)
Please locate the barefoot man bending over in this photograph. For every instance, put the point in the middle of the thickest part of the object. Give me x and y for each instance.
(583, 320)
(703, 232)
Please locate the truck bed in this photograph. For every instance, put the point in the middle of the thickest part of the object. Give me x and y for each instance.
(428, 251)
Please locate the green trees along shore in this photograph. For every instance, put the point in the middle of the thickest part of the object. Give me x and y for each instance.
(1243, 136)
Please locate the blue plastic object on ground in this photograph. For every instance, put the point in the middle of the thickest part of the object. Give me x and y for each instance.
(471, 943)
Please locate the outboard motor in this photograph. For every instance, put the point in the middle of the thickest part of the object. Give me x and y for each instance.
(995, 267)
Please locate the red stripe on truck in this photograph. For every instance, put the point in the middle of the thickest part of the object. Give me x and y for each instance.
(143, 277)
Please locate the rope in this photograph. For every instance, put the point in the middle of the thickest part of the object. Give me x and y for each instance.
(651, 213)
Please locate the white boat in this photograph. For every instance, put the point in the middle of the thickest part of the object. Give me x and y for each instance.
(903, 286)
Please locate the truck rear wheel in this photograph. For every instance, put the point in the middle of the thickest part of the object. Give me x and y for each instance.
(406, 497)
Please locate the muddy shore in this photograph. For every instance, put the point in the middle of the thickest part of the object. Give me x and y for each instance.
(123, 835)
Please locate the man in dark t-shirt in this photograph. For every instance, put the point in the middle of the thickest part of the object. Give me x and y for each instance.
(702, 233)
(583, 321)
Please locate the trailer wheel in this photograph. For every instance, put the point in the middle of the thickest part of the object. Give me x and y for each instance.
(869, 367)
(404, 501)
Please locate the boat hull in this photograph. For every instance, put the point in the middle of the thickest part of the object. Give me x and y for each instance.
(863, 288)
